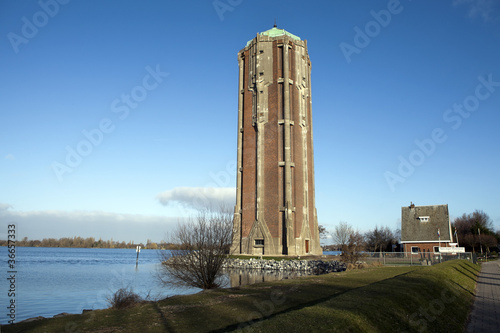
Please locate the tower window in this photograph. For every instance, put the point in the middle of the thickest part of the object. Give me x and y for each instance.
(259, 242)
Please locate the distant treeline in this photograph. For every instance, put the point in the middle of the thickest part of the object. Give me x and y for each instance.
(90, 242)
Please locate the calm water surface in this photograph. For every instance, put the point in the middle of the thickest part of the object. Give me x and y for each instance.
(55, 280)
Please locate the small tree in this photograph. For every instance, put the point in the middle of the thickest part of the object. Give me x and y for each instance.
(123, 298)
(342, 233)
(352, 251)
(380, 239)
(351, 242)
(322, 232)
(489, 241)
(203, 244)
(468, 227)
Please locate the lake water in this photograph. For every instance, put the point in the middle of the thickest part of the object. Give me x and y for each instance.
(49, 281)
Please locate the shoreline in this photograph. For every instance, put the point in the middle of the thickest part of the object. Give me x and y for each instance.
(320, 302)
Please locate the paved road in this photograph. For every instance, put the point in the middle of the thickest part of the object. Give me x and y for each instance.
(485, 316)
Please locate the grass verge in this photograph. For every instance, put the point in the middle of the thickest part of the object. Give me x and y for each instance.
(377, 299)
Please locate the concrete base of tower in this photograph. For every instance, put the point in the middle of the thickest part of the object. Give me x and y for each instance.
(272, 247)
(304, 247)
(258, 246)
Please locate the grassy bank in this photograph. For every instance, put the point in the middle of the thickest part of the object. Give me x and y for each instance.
(379, 299)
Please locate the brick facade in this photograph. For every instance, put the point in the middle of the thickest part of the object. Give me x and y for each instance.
(275, 207)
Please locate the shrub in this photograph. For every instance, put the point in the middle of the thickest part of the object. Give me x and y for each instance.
(352, 251)
(123, 298)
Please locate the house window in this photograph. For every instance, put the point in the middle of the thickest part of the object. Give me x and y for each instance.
(436, 248)
(423, 218)
(259, 242)
(415, 249)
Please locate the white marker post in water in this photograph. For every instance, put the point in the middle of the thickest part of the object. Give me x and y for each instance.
(138, 250)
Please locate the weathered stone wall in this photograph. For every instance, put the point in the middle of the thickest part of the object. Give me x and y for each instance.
(315, 266)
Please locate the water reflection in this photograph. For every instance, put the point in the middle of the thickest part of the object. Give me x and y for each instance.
(242, 277)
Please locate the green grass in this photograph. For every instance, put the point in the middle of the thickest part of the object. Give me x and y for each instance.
(431, 299)
(377, 299)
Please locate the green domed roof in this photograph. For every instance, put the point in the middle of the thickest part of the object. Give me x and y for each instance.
(275, 32)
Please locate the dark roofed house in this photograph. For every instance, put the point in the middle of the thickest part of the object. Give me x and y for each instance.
(420, 226)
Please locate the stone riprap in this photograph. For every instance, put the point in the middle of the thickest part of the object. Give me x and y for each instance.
(312, 266)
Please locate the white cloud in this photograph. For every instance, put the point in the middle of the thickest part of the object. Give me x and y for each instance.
(199, 197)
(488, 10)
(97, 224)
(4, 206)
(10, 157)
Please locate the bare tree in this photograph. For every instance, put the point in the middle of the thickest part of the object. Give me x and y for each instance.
(397, 235)
(352, 251)
(468, 227)
(379, 239)
(342, 233)
(203, 242)
(469, 240)
(489, 241)
(482, 221)
(322, 231)
(351, 242)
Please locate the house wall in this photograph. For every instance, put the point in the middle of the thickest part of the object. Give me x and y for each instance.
(427, 247)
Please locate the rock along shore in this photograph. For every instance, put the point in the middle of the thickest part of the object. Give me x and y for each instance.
(312, 266)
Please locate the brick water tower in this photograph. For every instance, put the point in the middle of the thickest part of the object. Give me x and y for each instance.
(275, 210)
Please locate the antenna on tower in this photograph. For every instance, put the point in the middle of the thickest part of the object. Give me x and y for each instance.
(275, 23)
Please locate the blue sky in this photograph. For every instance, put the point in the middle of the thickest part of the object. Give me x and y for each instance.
(116, 117)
